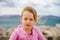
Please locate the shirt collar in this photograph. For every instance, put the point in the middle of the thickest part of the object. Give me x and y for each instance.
(23, 33)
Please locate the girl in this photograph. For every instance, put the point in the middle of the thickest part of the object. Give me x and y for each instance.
(27, 31)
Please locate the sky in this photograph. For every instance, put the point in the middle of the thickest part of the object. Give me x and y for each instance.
(43, 7)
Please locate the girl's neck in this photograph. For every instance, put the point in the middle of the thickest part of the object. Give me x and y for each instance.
(28, 30)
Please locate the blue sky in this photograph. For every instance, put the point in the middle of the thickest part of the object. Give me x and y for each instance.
(43, 7)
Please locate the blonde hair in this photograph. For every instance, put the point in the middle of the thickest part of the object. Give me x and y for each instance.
(32, 10)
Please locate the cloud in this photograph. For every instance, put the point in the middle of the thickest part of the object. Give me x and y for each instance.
(49, 9)
(43, 7)
(2, 3)
(9, 3)
(8, 11)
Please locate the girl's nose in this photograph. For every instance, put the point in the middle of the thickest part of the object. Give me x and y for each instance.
(28, 21)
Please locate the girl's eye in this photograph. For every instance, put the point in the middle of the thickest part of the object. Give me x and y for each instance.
(25, 18)
(31, 19)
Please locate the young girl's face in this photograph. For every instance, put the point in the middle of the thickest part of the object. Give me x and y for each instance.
(27, 19)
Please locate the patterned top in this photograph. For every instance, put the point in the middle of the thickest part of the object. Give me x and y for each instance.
(20, 34)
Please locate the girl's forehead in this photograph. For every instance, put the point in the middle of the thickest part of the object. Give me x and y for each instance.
(27, 14)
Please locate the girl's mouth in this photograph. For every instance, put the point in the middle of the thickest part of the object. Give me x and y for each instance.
(27, 25)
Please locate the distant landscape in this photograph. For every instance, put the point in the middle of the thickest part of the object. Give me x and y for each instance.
(9, 21)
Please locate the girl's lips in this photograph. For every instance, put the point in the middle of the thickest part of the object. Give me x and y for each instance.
(27, 25)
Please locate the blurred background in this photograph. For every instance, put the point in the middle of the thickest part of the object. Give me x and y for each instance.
(48, 13)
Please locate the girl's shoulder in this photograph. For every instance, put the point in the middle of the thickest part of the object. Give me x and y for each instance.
(18, 29)
(35, 28)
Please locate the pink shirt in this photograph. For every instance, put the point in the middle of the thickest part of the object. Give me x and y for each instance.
(20, 34)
